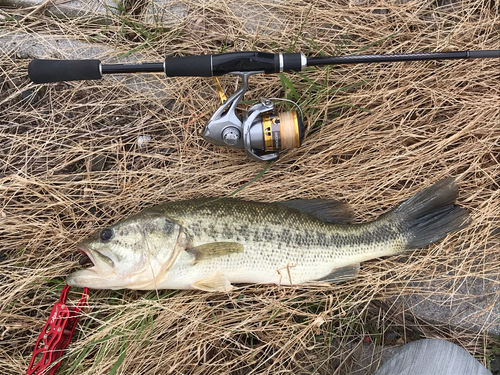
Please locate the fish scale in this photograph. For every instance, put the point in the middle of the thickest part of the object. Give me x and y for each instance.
(212, 243)
(280, 236)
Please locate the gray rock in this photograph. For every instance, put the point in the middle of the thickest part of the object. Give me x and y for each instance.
(471, 303)
(258, 17)
(165, 13)
(369, 357)
(43, 46)
(254, 15)
(363, 358)
(432, 356)
(98, 10)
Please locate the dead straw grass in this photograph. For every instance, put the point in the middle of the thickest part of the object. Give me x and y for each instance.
(70, 163)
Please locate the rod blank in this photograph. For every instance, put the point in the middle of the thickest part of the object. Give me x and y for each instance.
(45, 71)
(363, 59)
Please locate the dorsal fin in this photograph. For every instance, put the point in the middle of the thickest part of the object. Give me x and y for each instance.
(326, 209)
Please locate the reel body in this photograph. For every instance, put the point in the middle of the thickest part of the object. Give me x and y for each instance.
(262, 131)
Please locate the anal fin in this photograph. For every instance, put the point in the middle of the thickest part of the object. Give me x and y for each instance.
(342, 274)
(215, 283)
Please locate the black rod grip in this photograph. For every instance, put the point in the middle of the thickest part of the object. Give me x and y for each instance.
(45, 71)
(250, 61)
(222, 63)
(189, 66)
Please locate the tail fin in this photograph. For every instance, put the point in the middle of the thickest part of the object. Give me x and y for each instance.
(431, 214)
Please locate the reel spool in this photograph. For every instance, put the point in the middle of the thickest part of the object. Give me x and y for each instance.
(262, 131)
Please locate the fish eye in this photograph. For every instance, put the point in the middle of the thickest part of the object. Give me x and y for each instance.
(106, 234)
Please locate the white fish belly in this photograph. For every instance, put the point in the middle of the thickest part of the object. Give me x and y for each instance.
(268, 264)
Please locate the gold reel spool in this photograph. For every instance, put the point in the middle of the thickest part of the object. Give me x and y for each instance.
(282, 130)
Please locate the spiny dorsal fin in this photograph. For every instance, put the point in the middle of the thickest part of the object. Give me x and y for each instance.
(342, 274)
(215, 283)
(326, 209)
(214, 249)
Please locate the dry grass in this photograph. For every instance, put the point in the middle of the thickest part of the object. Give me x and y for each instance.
(70, 163)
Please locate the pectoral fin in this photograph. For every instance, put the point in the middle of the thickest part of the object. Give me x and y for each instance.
(342, 274)
(215, 283)
(214, 249)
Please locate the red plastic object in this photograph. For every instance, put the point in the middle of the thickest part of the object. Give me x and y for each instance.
(56, 334)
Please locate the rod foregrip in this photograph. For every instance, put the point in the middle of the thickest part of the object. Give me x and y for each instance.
(45, 71)
(223, 63)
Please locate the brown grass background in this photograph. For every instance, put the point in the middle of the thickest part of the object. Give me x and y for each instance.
(377, 134)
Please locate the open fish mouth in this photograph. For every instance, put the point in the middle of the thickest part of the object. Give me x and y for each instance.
(87, 258)
(97, 261)
(98, 270)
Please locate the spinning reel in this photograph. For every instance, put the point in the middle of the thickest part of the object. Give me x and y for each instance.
(261, 131)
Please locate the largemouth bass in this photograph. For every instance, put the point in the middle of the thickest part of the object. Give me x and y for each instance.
(209, 244)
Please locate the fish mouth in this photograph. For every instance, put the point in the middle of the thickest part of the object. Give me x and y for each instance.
(87, 258)
(99, 262)
(99, 273)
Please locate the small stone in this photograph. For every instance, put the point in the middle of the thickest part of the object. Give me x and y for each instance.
(22, 55)
(392, 335)
(143, 140)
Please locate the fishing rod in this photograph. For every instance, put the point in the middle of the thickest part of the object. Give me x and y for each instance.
(261, 131)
